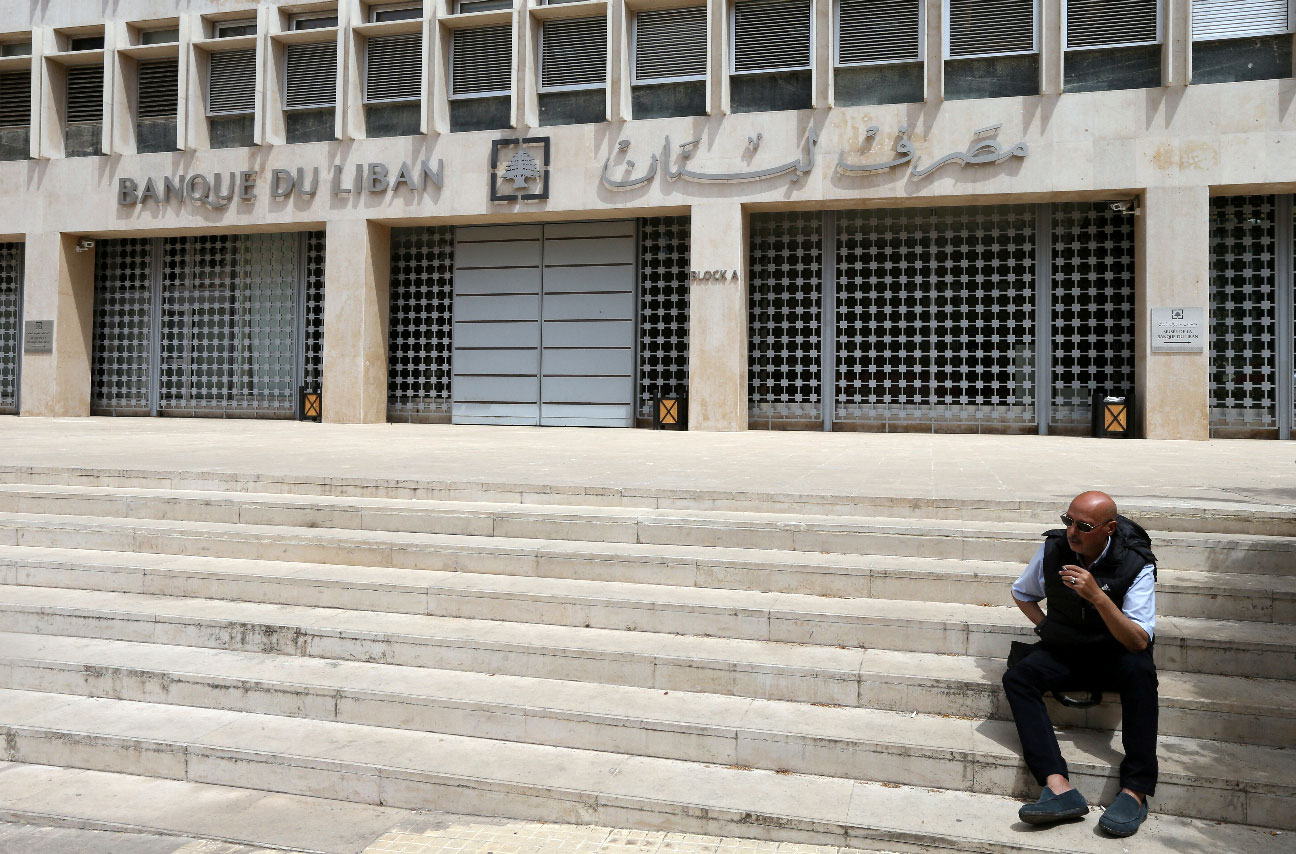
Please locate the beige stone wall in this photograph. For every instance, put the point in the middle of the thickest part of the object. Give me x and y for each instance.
(1172, 143)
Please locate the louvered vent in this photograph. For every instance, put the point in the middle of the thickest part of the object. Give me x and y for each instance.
(15, 99)
(1096, 23)
(231, 85)
(574, 52)
(983, 27)
(769, 36)
(481, 61)
(311, 71)
(878, 31)
(158, 89)
(1236, 19)
(393, 67)
(670, 44)
(85, 95)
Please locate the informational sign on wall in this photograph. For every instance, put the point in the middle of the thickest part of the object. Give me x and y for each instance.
(1177, 330)
(38, 336)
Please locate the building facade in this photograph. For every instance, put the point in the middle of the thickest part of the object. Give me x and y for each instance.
(934, 215)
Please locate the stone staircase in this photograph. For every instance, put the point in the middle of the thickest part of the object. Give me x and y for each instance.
(800, 668)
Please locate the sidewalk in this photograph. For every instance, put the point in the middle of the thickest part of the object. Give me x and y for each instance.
(999, 468)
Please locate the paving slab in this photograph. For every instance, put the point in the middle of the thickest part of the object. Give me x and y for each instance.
(927, 466)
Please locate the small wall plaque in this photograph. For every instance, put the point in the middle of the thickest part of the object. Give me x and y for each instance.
(1177, 330)
(38, 336)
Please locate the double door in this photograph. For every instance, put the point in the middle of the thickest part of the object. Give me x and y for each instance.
(544, 324)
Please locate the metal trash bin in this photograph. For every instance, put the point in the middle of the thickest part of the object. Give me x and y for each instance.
(1111, 415)
(310, 404)
(670, 411)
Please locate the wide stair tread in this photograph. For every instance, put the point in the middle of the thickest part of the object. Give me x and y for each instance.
(1258, 597)
(405, 768)
(1196, 704)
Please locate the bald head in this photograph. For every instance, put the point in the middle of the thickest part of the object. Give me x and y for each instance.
(1094, 506)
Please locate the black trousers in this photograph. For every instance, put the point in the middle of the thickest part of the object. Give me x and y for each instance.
(1132, 674)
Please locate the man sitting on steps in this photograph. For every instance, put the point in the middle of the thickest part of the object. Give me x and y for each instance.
(1097, 579)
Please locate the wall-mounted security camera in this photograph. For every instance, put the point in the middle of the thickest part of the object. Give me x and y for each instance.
(1125, 206)
(85, 244)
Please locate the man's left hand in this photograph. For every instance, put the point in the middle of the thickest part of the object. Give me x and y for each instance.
(1081, 581)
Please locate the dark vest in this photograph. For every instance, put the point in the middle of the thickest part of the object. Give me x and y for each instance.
(1072, 620)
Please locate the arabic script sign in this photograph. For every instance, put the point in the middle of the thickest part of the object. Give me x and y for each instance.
(1177, 330)
(983, 150)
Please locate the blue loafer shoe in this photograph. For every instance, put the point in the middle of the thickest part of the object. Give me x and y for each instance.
(1050, 807)
(1124, 815)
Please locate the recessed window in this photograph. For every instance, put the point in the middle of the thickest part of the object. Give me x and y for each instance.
(86, 43)
(465, 7)
(879, 52)
(1112, 44)
(991, 49)
(770, 67)
(234, 29)
(16, 49)
(231, 97)
(1241, 40)
(395, 12)
(573, 70)
(670, 63)
(312, 21)
(164, 35)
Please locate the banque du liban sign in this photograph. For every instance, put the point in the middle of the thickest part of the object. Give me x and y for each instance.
(219, 189)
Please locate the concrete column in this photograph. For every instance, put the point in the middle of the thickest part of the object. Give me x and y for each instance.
(434, 87)
(717, 57)
(356, 305)
(58, 286)
(1052, 45)
(526, 69)
(718, 318)
(618, 83)
(1176, 50)
(821, 57)
(934, 50)
(349, 114)
(1172, 249)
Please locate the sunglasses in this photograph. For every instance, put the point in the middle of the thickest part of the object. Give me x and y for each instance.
(1084, 527)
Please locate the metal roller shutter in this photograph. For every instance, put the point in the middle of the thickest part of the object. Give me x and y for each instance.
(771, 36)
(85, 94)
(1235, 19)
(392, 68)
(481, 61)
(573, 52)
(311, 71)
(878, 31)
(987, 27)
(1098, 23)
(15, 99)
(231, 84)
(158, 89)
(670, 44)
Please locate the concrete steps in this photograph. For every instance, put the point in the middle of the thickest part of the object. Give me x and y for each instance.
(969, 539)
(408, 769)
(721, 663)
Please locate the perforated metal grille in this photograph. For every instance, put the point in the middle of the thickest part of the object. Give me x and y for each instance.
(935, 317)
(786, 274)
(1093, 308)
(1243, 311)
(11, 258)
(663, 307)
(313, 320)
(420, 347)
(229, 324)
(123, 303)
